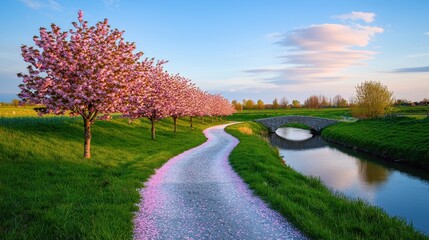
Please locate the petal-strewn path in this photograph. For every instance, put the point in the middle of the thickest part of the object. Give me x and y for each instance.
(197, 195)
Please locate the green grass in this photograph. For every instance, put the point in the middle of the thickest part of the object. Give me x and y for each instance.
(11, 111)
(411, 110)
(396, 138)
(48, 191)
(305, 201)
(334, 113)
(250, 115)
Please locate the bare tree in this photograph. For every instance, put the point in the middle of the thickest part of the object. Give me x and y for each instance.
(339, 101)
(284, 103)
(312, 102)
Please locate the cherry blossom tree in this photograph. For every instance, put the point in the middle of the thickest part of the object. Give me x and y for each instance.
(195, 103)
(179, 93)
(151, 95)
(84, 71)
(220, 106)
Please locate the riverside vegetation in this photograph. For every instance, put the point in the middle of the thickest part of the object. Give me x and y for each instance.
(402, 136)
(305, 201)
(399, 138)
(48, 191)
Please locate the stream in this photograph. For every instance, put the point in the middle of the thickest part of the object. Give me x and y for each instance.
(400, 190)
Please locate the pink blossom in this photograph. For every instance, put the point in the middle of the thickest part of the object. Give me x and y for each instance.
(80, 15)
(83, 70)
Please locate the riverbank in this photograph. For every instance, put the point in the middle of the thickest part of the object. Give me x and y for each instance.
(305, 201)
(48, 191)
(399, 139)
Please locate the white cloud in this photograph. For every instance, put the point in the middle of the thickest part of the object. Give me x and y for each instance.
(329, 37)
(427, 33)
(55, 5)
(417, 55)
(319, 52)
(367, 17)
(32, 4)
(36, 5)
(112, 3)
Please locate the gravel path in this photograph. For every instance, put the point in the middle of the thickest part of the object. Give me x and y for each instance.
(197, 195)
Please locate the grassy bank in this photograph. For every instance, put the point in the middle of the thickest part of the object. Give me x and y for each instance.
(48, 191)
(334, 113)
(399, 138)
(305, 201)
(250, 115)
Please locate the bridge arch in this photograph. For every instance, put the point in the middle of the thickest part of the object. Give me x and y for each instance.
(315, 123)
(313, 142)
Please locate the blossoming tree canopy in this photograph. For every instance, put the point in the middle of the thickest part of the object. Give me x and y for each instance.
(84, 71)
(180, 87)
(151, 95)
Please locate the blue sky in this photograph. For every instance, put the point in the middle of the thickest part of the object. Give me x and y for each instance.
(250, 49)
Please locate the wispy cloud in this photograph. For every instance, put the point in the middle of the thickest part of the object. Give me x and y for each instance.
(32, 4)
(112, 3)
(417, 55)
(412, 70)
(427, 33)
(319, 52)
(367, 17)
(36, 5)
(55, 5)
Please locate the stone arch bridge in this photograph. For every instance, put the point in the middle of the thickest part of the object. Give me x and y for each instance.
(315, 123)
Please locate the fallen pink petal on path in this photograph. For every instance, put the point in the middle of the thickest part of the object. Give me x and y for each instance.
(197, 195)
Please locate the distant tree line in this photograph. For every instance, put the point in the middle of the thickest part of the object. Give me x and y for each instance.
(372, 100)
(14, 102)
(405, 102)
(313, 102)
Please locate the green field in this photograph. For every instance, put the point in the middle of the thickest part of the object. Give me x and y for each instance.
(11, 111)
(305, 201)
(48, 191)
(334, 113)
(402, 139)
(250, 115)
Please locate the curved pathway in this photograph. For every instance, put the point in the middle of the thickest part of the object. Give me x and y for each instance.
(197, 195)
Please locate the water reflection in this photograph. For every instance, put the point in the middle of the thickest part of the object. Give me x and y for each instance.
(308, 140)
(371, 173)
(399, 190)
(294, 134)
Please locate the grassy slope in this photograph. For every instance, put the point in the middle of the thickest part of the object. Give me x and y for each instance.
(305, 201)
(335, 113)
(393, 138)
(48, 191)
(250, 115)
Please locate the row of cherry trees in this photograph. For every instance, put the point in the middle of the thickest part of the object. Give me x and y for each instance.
(92, 71)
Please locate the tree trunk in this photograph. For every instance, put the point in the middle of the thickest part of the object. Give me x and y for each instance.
(202, 119)
(175, 124)
(87, 136)
(191, 121)
(153, 128)
(212, 119)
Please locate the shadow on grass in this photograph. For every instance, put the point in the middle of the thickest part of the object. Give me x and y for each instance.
(48, 191)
